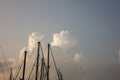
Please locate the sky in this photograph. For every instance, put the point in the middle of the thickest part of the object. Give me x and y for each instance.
(89, 30)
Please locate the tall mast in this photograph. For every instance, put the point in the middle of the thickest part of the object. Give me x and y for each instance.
(10, 73)
(23, 76)
(48, 66)
(42, 70)
(37, 65)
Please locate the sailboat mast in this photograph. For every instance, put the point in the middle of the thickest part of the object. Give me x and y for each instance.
(48, 62)
(23, 76)
(37, 65)
(10, 73)
(42, 70)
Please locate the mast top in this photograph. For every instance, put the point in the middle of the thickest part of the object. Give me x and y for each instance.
(38, 42)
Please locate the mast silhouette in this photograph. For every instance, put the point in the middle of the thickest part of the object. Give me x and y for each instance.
(37, 65)
(42, 70)
(48, 66)
(10, 73)
(45, 68)
(23, 76)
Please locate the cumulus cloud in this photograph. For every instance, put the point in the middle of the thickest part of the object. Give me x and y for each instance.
(63, 39)
(9, 62)
(34, 38)
(22, 51)
(77, 57)
(5, 65)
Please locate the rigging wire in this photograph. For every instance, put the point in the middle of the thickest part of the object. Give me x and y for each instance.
(32, 66)
(2, 52)
(18, 71)
(55, 64)
(44, 76)
(32, 70)
(43, 57)
(19, 76)
(42, 70)
(19, 67)
(2, 70)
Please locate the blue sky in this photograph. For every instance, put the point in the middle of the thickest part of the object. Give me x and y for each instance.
(94, 23)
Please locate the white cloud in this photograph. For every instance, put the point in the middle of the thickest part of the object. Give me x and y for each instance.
(11, 60)
(34, 38)
(8, 63)
(5, 65)
(77, 57)
(63, 39)
(21, 55)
